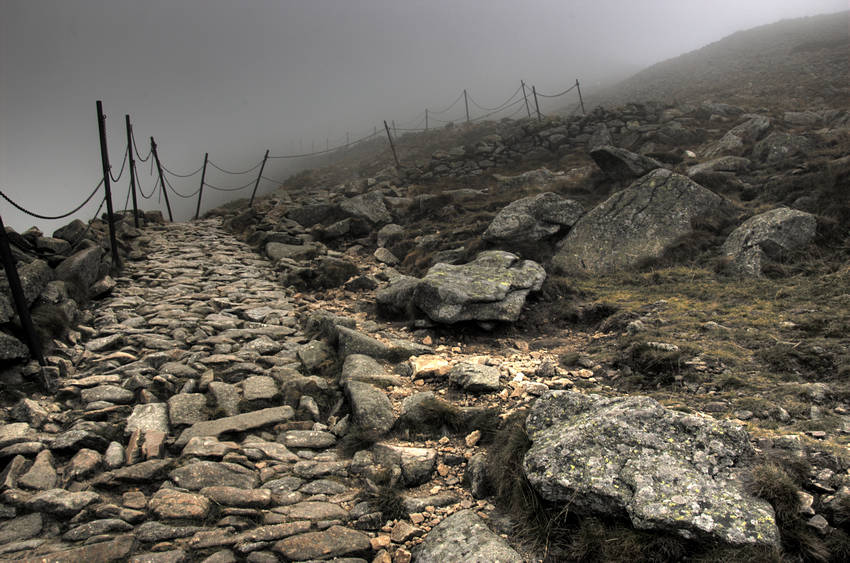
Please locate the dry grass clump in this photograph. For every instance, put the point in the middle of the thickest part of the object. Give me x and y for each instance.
(777, 479)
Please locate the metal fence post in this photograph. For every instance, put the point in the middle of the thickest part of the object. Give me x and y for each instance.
(392, 145)
(161, 179)
(104, 158)
(259, 176)
(201, 189)
(132, 164)
(525, 97)
(21, 306)
(580, 99)
(536, 105)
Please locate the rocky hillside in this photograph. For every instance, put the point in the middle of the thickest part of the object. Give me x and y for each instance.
(612, 337)
(792, 64)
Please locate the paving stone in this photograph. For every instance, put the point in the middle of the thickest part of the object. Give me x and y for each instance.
(196, 476)
(226, 396)
(336, 541)
(152, 416)
(259, 388)
(238, 423)
(308, 439)
(168, 503)
(14, 433)
(233, 496)
(42, 474)
(187, 408)
(113, 550)
(21, 528)
(96, 528)
(61, 502)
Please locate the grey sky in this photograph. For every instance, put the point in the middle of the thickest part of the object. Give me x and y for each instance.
(234, 78)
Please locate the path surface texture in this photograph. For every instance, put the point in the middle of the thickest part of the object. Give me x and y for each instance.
(172, 437)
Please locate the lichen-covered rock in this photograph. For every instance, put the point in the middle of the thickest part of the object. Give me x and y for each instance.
(631, 457)
(621, 164)
(533, 218)
(369, 206)
(777, 149)
(737, 139)
(464, 536)
(493, 287)
(768, 235)
(637, 224)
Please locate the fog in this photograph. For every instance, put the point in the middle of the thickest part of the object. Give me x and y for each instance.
(237, 78)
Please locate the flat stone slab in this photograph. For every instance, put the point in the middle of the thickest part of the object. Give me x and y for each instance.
(314, 511)
(314, 439)
(21, 528)
(336, 541)
(259, 388)
(114, 550)
(168, 503)
(187, 408)
(196, 476)
(61, 502)
(237, 423)
(148, 417)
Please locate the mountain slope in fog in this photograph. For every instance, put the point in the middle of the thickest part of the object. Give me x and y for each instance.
(801, 62)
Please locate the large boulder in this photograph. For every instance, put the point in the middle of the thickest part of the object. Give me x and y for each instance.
(777, 149)
(34, 278)
(533, 218)
(737, 139)
(72, 232)
(664, 470)
(369, 206)
(313, 213)
(464, 536)
(620, 164)
(637, 224)
(493, 287)
(768, 235)
(81, 267)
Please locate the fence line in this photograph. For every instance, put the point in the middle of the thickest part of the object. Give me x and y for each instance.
(163, 184)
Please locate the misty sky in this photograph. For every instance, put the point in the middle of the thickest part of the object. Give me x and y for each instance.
(235, 78)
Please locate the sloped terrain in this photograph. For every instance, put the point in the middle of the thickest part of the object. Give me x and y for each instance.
(440, 362)
(790, 64)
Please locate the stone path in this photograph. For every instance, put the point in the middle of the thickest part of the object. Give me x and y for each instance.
(172, 437)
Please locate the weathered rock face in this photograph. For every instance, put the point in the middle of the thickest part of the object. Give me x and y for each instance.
(721, 164)
(464, 536)
(531, 219)
(621, 164)
(493, 287)
(637, 223)
(777, 149)
(81, 267)
(631, 457)
(768, 235)
(369, 206)
(737, 139)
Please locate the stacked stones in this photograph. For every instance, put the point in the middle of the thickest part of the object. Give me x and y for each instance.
(59, 272)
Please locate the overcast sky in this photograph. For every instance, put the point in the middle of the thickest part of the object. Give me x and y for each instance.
(235, 78)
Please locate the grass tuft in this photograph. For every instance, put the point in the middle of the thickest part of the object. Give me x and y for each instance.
(389, 502)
